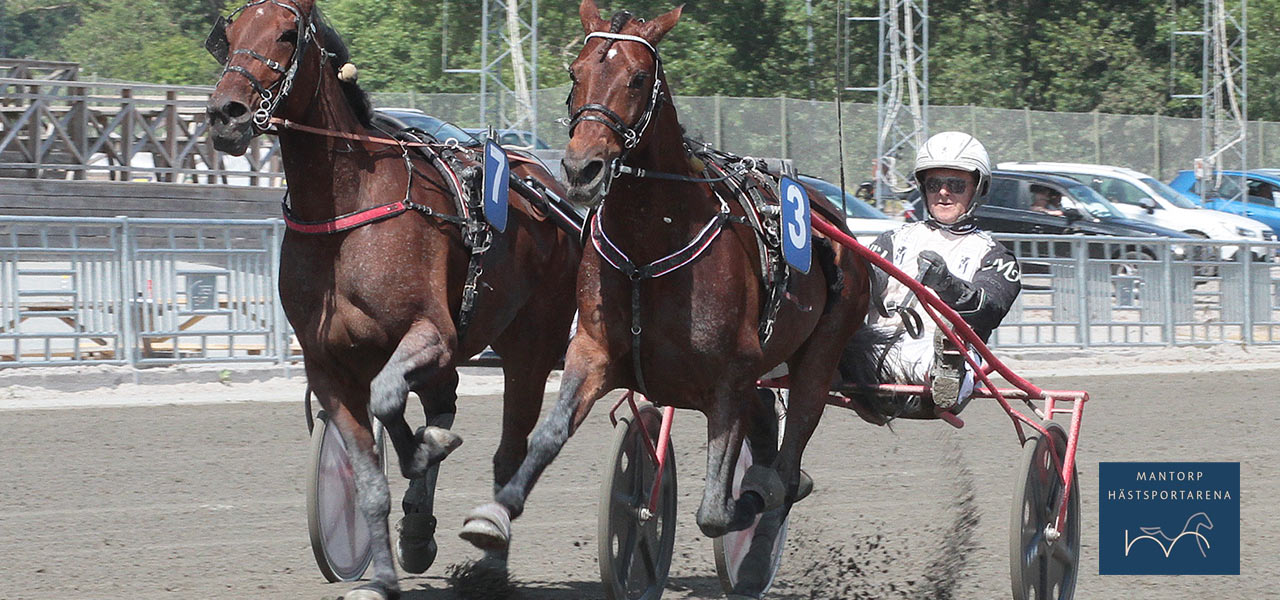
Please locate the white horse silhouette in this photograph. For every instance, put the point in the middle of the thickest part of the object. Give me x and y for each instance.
(1201, 521)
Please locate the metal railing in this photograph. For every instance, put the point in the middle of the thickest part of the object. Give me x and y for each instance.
(170, 291)
(140, 291)
(1088, 292)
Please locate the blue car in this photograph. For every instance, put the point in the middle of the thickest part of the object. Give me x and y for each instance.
(1262, 200)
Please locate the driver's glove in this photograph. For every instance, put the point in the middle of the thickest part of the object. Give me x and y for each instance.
(935, 275)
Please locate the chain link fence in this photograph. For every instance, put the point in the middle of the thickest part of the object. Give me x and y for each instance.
(807, 131)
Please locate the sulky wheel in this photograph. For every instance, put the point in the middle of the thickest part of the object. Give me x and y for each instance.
(635, 545)
(1043, 568)
(759, 547)
(339, 534)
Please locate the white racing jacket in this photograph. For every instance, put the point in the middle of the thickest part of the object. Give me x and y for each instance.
(972, 256)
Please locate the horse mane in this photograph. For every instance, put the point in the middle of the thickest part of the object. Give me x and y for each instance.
(341, 55)
(619, 20)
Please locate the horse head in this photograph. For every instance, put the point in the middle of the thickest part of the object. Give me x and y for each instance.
(273, 52)
(617, 91)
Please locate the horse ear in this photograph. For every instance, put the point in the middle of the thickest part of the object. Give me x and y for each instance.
(590, 15)
(657, 28)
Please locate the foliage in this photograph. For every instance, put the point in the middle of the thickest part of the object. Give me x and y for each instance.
(1107, 55)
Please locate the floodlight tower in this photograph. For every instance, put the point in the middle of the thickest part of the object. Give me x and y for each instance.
(508, 53)
(902, 89)
(1223, 94)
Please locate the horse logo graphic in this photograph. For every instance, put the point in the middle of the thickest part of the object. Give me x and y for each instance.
(1194, 524)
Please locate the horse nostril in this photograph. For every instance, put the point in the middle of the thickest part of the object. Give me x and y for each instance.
(590, 171)
(236, 110)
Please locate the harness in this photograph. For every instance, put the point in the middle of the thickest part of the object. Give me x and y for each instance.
(456, 164)
(739, 177)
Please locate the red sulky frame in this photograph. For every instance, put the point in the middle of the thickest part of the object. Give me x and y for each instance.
(960, 334)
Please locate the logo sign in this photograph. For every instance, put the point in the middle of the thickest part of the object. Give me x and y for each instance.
(202, 292)
(797, 235)
(496, 172)
(1167, 518)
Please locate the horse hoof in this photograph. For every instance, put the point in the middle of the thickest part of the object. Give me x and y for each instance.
(805, 488)
(416, 549)
(364, 593)
(434, 445)
(488, 527)
(765, 481)
(741, 597)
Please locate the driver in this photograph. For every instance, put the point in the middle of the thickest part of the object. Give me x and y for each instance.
(969, 271)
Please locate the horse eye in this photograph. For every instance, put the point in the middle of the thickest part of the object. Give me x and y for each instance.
(289, 37)
(573, 76)
(638, 81)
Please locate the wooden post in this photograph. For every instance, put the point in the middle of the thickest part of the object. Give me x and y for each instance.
(715, 104)
(126, 134)
(786, 134)
(1155, 139)
(1031, 147)
(1097, 137)
(171, 134)
(78, 126)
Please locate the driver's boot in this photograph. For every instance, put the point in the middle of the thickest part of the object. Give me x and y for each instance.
(946, 376)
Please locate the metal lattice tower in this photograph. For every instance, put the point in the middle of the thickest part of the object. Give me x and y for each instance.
(902, 89)
(1223, 93)
(508, 63)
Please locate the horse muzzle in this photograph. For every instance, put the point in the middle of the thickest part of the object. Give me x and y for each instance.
(587, 180)
(230, 125)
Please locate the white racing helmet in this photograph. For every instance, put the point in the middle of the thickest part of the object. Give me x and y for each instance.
(960, 151)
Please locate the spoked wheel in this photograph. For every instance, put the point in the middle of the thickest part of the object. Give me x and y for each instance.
(636, 545)
(339, 532)
(758, 548)
(1043, 568)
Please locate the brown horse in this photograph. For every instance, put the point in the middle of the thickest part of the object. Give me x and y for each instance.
(376, 307)
(685, 330)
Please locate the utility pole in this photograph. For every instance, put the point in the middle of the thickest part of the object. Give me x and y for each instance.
(902, 90)
(1223, 96)
(510, 33)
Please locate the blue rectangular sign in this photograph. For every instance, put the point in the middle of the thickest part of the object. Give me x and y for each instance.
(797, 234)
(1169, 518)
(496, 185)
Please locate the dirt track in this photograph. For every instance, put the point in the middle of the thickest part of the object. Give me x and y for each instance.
(206, 501)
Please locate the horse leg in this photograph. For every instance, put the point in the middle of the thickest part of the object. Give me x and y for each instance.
(586, 379)
(418, 359)
(530, 347)
(720, 512)
(373, 498)
(416, 548)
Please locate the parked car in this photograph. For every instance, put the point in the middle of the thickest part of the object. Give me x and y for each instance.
(1011, 207)
(1141, 197)
(1260, 201)
(412, 118)
(864, 220)
(519, 138)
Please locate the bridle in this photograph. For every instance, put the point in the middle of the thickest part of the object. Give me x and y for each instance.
(630, 134)
(269, 96)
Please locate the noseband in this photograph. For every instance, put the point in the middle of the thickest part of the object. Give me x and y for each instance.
(269, 96)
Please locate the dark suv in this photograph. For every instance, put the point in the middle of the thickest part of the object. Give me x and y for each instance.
(1009, 208)
(1015, 204)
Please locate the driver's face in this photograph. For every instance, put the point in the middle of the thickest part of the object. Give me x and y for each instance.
(945, 205)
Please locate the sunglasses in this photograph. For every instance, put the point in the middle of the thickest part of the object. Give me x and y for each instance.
(955, 185)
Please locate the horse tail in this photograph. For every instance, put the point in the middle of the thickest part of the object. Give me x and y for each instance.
(826, 256)
(863, 362)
